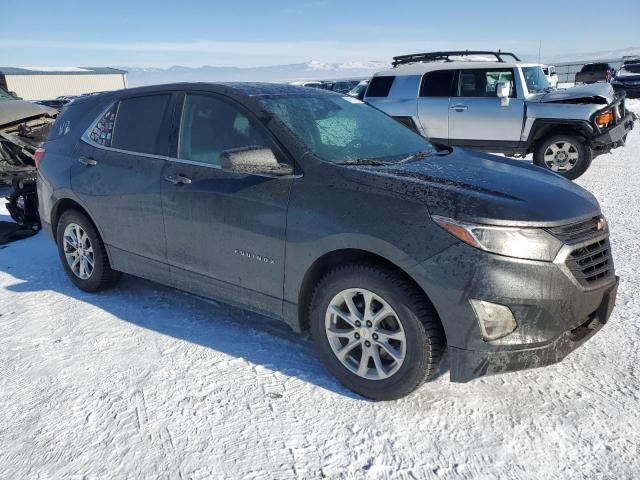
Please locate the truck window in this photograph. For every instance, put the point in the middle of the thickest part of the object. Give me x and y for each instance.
(437, 84)
(380, 86)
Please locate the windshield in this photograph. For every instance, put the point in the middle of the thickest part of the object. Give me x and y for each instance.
(535, 79)
(339, 129)
(631, 68)
(5, 96)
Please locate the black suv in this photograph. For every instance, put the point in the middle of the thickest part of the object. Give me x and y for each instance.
(317, 209)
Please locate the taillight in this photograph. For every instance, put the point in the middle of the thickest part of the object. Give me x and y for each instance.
(38, 156)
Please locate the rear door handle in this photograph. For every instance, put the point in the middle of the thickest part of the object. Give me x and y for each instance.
(178, 179)
(88, 161)
(459, 107)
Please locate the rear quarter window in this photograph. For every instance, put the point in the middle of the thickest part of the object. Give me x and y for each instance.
(380, 86)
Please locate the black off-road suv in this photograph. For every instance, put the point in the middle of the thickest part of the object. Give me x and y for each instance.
(317, 209)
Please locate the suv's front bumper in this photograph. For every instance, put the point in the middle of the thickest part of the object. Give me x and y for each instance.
(614, 137)
(468, 364)
(555, 314)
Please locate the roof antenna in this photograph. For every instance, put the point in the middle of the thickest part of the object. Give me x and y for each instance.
(539, 49)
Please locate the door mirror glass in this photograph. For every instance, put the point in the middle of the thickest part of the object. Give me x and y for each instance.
(503, 92)
(254, 159)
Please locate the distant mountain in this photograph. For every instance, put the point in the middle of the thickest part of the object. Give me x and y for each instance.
(600, 55)
(315, 70)
(312, 70)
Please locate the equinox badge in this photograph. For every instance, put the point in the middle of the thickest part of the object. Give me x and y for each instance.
(254, 256)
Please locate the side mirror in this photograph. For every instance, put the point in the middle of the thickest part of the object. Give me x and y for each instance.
(255, 160)
(503, 92)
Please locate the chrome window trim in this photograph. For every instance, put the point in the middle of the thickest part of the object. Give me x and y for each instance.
(85, 138)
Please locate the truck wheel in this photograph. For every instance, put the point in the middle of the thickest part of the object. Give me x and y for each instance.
(564, 154)
(375, 331)
(83, 254)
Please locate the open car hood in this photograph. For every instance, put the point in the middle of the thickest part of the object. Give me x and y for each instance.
(599, 93)
(12, 111)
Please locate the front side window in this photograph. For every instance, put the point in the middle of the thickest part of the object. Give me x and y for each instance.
(338, 129)
(137, 123)
(210, 126)
(535, 79)
(483, 83)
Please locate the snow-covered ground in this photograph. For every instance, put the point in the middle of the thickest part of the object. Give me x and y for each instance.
(147, 382)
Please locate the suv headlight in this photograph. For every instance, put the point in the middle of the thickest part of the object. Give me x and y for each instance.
(517, 242)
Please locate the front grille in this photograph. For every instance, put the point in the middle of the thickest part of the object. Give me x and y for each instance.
(577, 232)
(591, 263)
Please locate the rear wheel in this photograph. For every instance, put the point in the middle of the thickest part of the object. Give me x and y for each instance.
(375, 331)
(83, 254)
(563, 154)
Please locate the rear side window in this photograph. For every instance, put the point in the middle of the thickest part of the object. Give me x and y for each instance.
(380, 86)
(437, 84)
(137, 123)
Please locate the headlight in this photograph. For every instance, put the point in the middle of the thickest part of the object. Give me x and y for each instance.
(604, 119)
(518, 242)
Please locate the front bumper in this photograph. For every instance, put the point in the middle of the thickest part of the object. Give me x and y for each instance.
(467, 365)
(614, 137)
(555, 314)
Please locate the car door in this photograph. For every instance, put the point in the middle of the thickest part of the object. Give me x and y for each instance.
(436, 89)
(120, 160)
(225, 231)
(476, 115)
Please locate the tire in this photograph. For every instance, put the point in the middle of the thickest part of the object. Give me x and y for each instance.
(100, 276)
(545, 156)
(413, 318)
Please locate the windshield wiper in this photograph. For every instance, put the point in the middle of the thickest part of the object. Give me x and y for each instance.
(363, 161)
(415, 156)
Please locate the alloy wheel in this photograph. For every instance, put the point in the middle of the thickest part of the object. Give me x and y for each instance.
(78, 251)
(365, 334)
(561, 156)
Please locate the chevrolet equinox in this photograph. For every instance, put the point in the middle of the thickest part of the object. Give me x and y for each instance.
(320, 210)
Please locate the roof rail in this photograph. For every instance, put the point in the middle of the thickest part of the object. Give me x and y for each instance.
(435, 56)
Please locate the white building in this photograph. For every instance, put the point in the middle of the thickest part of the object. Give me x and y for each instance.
(45, 83)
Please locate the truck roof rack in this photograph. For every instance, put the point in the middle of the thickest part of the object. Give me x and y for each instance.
(436, 56)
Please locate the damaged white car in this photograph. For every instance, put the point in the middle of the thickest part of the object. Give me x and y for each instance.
(481, 100)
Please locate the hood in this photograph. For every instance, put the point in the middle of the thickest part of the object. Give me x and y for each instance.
(601, 93)
(12, 111)
(478, 187)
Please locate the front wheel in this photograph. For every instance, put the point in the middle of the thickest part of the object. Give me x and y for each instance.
(375, 331)
(564, 154)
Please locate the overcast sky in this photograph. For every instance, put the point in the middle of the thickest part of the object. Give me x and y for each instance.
(269, 32)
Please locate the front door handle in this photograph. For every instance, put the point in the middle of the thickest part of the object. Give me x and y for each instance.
(178, 179)
(459, 107)
(88, 161)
